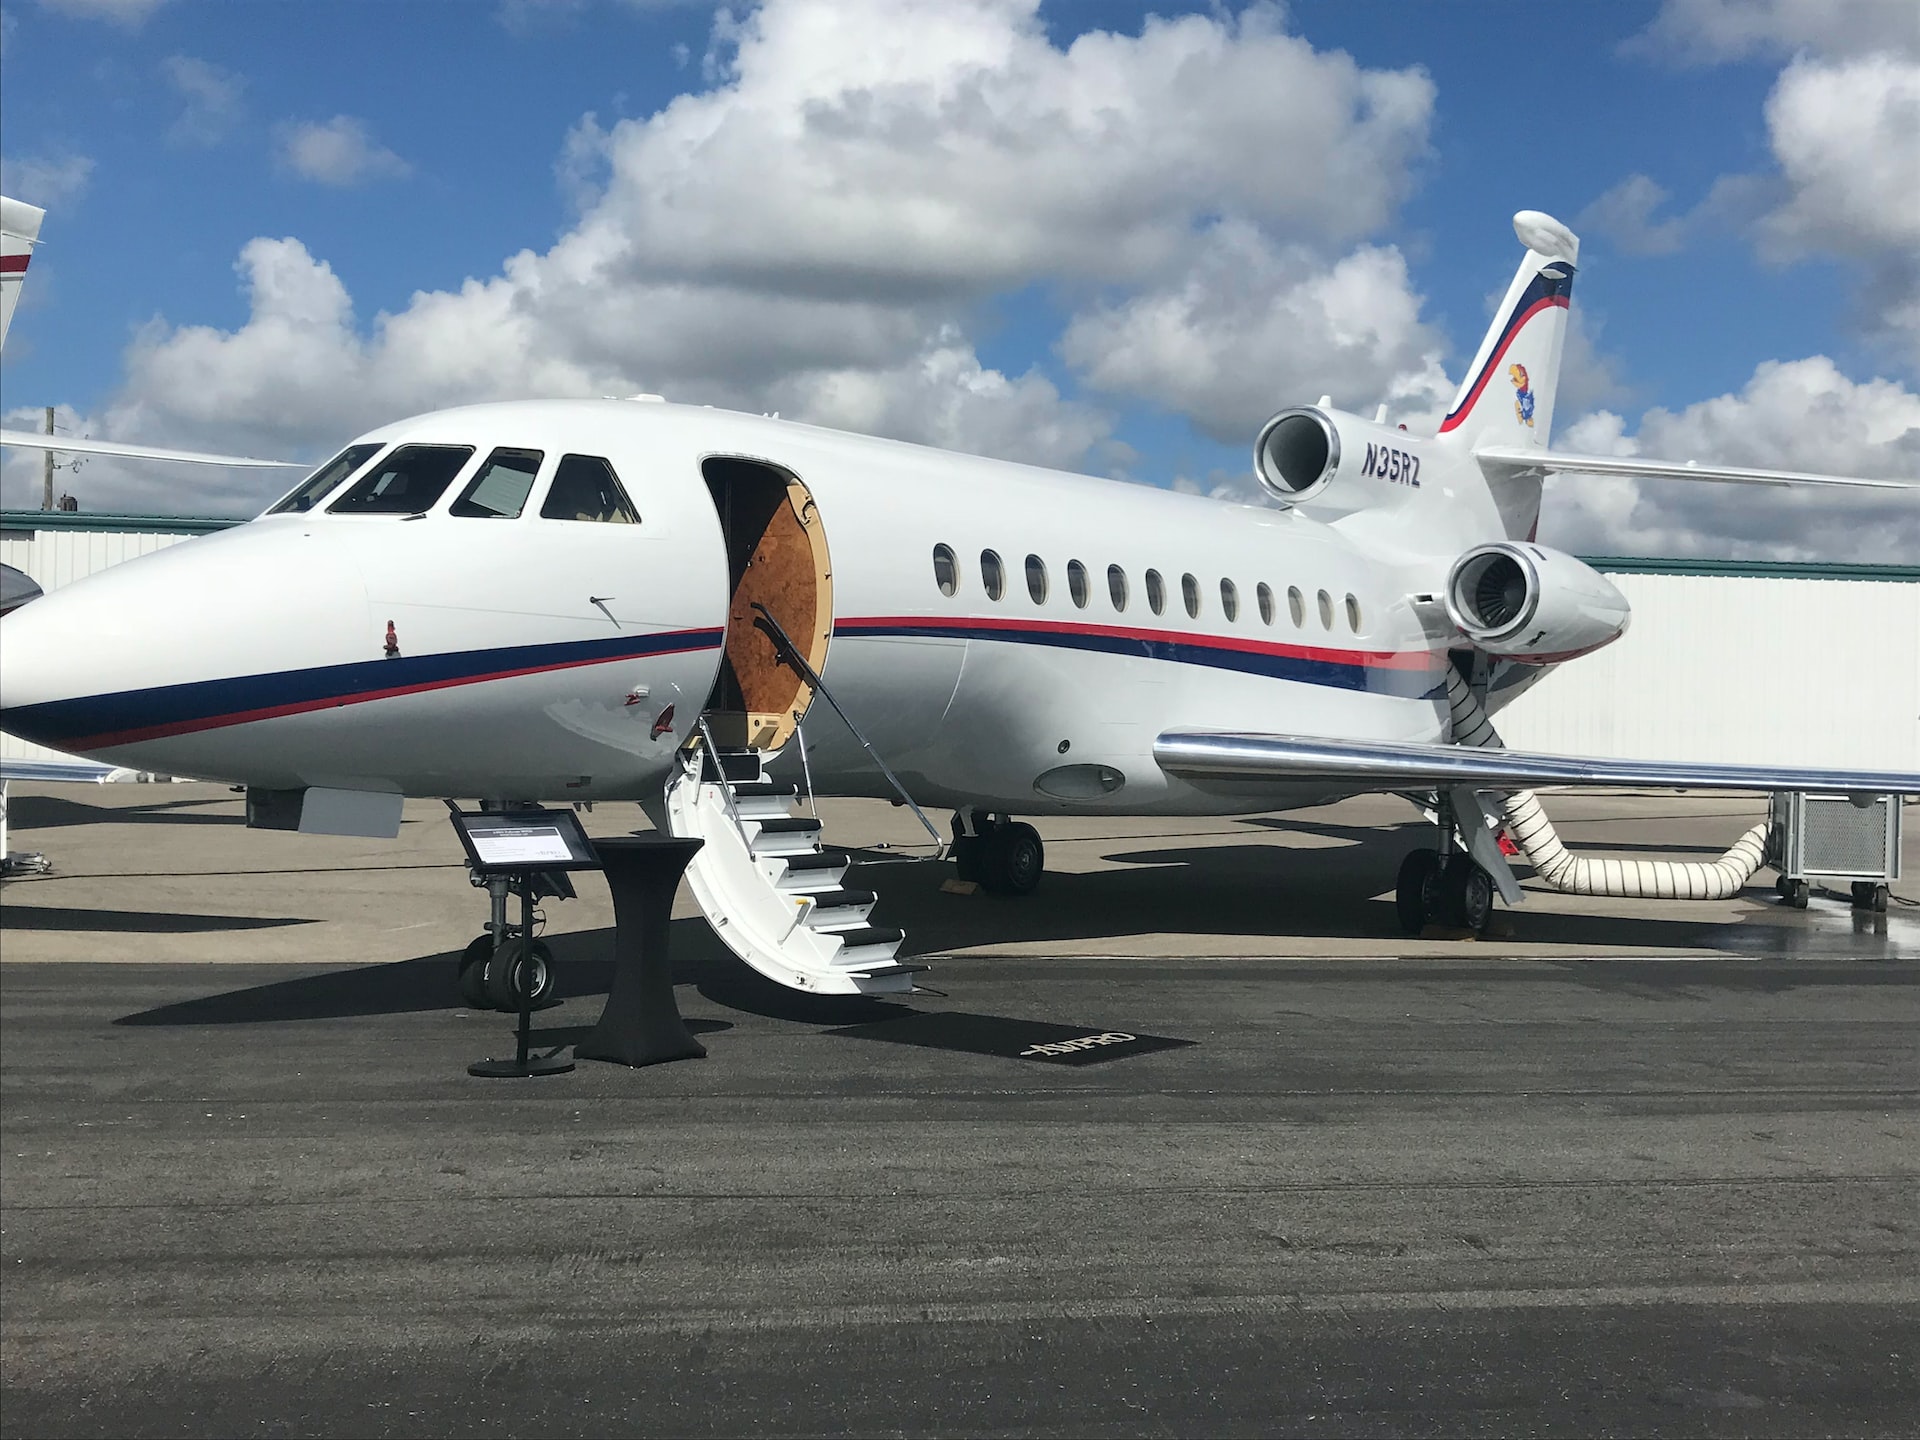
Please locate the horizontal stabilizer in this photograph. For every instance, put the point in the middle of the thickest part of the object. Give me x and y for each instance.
(1213, 755)
(28, 440)
(1503, 463)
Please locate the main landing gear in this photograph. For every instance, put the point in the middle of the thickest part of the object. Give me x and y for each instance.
(1000, 854)
(1454, 885)
(507, 964)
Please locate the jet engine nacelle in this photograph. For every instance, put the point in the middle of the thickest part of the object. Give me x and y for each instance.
(1530, 603)
(1331, 463)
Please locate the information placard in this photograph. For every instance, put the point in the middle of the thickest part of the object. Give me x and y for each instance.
(525, 840)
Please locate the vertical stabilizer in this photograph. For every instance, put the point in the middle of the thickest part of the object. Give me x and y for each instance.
(1508, 394)
(19, 229)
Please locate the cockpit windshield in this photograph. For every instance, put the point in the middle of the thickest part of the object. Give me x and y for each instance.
(320, 483)
(407, 482)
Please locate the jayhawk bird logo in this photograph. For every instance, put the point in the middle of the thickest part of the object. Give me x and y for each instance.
(1523, 397)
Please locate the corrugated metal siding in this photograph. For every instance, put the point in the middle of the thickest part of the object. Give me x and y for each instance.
(59, 557)
(1811, 672)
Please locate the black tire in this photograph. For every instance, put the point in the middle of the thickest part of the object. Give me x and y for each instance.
(1881, 894)
(1862, 894)
(1014, 860)
(473, 973)
(1797, 894)
(1416, 890)
(515, 964)
(1469, 895)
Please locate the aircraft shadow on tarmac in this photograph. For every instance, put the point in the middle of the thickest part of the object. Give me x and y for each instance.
(1271, 894)
(138, 922)
(52, 812)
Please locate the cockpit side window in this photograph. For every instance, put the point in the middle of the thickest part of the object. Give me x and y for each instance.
(407, 482)
(500, 488)
(320, 483)
(585, 488)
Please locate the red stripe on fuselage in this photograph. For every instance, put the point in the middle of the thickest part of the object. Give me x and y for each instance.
(1455, 420)
(363, 697)
(1378, 659)
(14, 264)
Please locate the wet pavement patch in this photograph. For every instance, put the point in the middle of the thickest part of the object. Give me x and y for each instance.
(1010, 1039)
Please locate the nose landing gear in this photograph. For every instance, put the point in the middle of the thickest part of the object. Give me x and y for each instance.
(497, 967)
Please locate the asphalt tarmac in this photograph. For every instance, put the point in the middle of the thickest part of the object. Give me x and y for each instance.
(1621, 1172)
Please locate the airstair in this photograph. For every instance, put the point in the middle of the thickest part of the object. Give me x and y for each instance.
(769, 889)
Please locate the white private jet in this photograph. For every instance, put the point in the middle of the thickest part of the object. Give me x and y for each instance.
(573, 600)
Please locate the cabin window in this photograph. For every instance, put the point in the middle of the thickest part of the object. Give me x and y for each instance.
(1264, 593)
(946, 570)
(317, 486)
(407, 482)
(1156, 592)
(1296, 606)
(585, 488)
(1326, 611)
(1353, 614)
(1077, 583)
(993, 575)
(1117, 586)
(1190, 592)
(1037, 579)
(500, 490)
(1229, 600)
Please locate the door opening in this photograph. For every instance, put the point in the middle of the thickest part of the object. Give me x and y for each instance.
(776, 558)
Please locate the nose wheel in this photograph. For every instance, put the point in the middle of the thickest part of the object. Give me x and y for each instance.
(496, 967)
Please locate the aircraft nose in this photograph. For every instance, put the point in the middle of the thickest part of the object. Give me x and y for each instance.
(148, 647)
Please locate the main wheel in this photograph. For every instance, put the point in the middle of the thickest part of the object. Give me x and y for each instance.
(1014, 860)
(473, 973)
(1469, 894)
(516, 967)
(1416, 893)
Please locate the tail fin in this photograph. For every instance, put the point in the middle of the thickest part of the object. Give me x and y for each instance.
(19, 229)
(1507, 397)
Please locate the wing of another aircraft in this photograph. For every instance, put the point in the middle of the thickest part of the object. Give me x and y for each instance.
(1502, 463)
(61, 771)
(1212, 756)
(29, 440)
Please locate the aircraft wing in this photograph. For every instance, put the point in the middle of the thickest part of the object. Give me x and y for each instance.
(1502, 462)
(1226, 755)
(80, 771)
(29, 440)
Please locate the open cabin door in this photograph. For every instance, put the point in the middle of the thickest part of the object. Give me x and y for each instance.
(776, 558)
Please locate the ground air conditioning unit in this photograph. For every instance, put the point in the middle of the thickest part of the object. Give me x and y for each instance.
(1829, 838)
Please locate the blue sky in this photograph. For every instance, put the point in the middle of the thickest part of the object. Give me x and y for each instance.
(165, 136)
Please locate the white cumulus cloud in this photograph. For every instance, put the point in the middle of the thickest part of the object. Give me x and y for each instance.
(815, 231)
(1716, 30)
(340, 151)
(1792, 415)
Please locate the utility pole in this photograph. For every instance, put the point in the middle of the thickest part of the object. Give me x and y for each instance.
(46, 488)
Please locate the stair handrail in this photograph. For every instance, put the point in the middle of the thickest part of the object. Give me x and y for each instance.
(806, 768)
(726, 784)
(791, 654)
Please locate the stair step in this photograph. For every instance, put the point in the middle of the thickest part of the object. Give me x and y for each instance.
(788, 825)
(868, 935)
(764, 790)
(817, 860)
(842, 899)
(742, 767)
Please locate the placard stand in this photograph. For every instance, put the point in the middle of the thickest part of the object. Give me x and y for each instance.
(518, 845)
(641, 1024)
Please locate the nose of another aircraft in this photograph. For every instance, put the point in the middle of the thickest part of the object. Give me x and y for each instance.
(92, 665)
